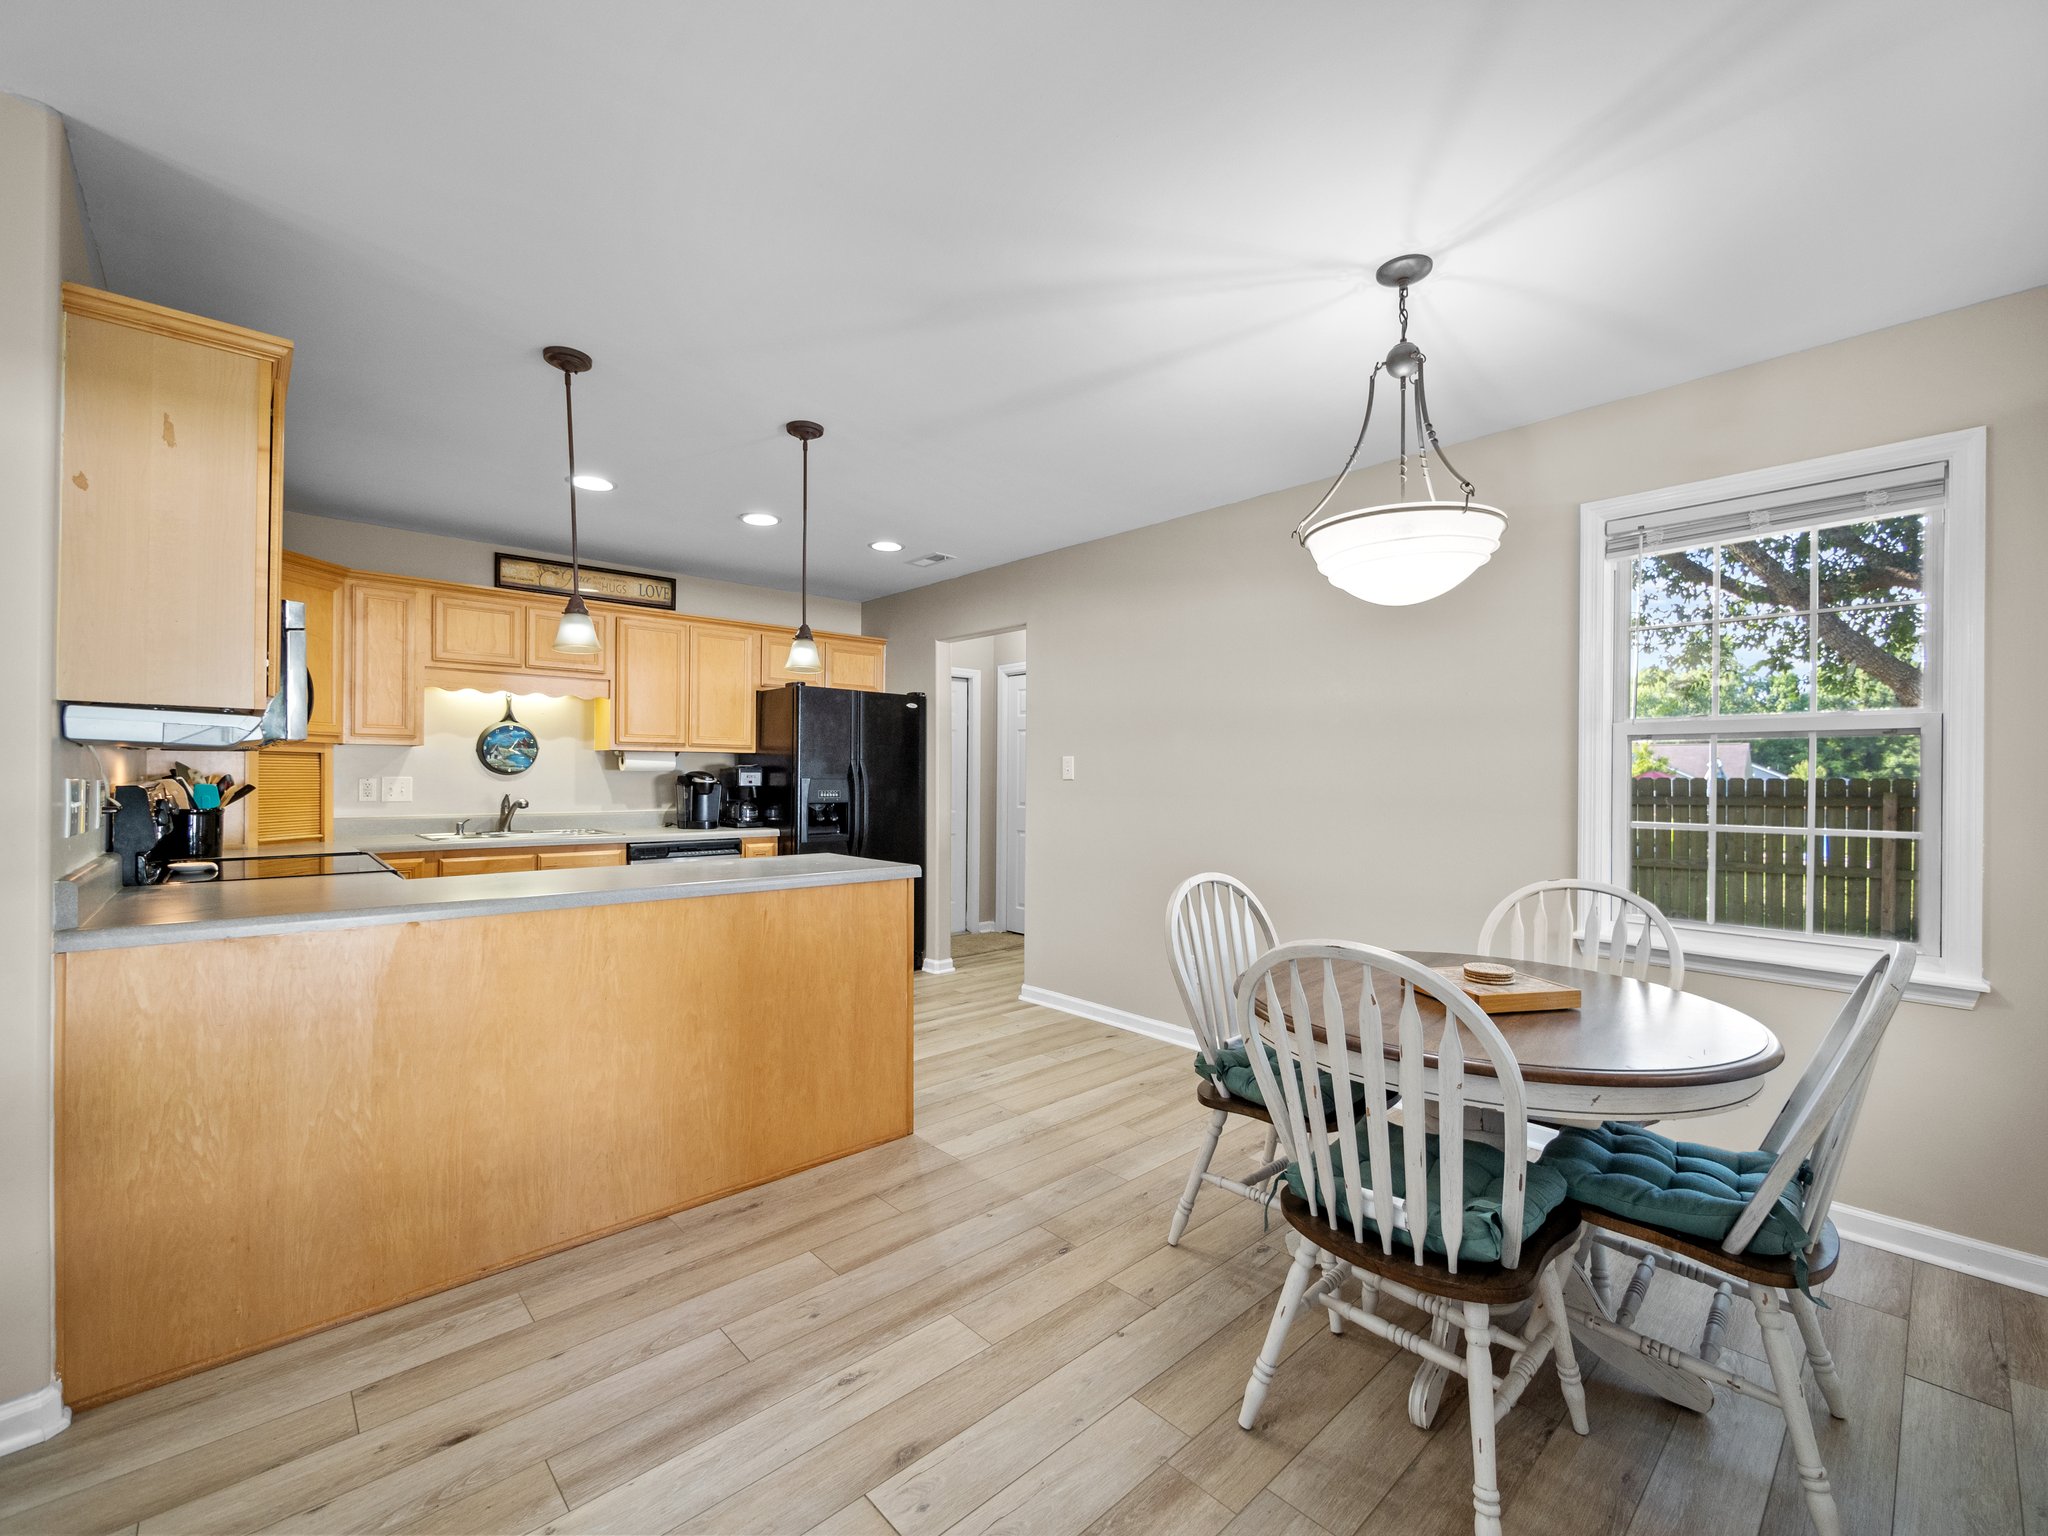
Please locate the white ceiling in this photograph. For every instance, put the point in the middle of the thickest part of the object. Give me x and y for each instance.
(1044, 271)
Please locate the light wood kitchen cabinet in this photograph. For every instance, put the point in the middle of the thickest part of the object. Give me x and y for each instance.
(580, 858)
(414, 866)
(852, 663)
(319, 586)
(724, 661)
(169, 545)
(760, 847)
(385, 699)
(477, 630)
(541, 655)
(487, 863)
(650, 668)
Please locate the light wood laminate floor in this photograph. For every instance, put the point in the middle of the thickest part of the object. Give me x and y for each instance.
(981, 1328)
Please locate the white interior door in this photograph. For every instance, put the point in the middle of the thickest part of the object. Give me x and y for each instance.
(1010, 760)
(962, 781)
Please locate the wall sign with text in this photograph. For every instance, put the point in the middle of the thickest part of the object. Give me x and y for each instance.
(523, 573)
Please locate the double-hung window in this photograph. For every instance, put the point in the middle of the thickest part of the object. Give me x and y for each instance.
(1781, 711)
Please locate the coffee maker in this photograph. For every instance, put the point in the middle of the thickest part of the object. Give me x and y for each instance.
(745, 805)
(698, 796)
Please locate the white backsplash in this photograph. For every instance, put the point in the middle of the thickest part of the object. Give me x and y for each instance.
(448, 780)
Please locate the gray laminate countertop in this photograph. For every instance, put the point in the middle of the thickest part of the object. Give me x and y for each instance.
(235, 909)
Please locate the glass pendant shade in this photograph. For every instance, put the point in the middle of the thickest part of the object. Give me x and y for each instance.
(1413, 548)
(576, 631)
(803, 654)
(1407, 552)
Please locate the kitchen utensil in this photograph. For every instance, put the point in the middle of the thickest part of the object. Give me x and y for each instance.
(239, 792)
(206, 797)
(507, 747)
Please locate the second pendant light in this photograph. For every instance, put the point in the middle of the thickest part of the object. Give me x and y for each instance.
(803, 658)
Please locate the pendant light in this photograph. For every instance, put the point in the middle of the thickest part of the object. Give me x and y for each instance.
(803, 658)
(575, 631)
(1403, 551)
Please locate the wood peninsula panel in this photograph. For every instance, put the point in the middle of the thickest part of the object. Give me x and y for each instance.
(260, 1137)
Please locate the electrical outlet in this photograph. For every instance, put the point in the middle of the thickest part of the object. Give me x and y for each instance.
(73, 821)
(96, 808)
(397, 786)
(366, 789)
(1066, 767)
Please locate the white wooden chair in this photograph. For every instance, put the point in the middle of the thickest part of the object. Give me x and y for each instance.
(1305, 1000)
(1584, 923)
(1809, 1141)
(1215, 929)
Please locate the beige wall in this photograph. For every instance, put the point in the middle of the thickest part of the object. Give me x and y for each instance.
(1385, 774)
(42, 242)
(435, 557)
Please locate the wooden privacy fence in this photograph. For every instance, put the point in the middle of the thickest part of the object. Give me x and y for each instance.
(1864, 886)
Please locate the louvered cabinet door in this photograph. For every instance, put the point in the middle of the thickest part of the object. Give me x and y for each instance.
(293, 802)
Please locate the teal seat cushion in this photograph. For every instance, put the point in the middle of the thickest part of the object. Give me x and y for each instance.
(1482, 1226)
(1683, 1186)
(1233, 1069)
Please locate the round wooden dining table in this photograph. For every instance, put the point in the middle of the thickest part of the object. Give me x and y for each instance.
(1632, 1050)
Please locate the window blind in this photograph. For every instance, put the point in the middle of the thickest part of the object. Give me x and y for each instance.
(1916, 488)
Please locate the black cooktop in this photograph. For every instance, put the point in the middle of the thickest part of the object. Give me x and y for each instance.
(274, 866)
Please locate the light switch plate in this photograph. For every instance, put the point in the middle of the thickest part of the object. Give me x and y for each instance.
(1066, 767)
(366, 789)
(397, 786)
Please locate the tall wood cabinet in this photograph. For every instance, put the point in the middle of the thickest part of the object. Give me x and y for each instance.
(168, 557)
(319, 586)
(386, 698)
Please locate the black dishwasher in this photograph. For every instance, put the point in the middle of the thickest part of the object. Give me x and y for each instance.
(708, 848)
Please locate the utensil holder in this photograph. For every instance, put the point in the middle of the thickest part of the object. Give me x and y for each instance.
(194, 834)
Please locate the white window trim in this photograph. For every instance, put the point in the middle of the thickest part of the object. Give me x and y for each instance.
(1955, 978)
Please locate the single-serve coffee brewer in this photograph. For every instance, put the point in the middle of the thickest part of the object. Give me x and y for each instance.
(698, 796)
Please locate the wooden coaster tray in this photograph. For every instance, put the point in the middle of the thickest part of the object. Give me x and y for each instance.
(1525, 994)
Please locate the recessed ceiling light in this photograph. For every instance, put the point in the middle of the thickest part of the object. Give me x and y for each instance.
(759, 519)
(590, 482)
(885, 546)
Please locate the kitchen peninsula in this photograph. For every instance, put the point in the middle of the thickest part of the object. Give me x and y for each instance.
(283, 1103)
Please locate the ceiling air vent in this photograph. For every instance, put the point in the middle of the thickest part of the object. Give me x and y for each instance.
(934, 558)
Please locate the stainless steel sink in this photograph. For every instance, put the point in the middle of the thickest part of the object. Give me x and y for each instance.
(515, 835)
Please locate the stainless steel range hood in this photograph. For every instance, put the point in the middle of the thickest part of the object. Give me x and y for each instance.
(209, 730)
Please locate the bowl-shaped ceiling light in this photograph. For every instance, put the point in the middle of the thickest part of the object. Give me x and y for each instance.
(1411, 549)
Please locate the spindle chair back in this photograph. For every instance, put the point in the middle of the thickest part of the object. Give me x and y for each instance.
(1215, 929)
(1584, 923)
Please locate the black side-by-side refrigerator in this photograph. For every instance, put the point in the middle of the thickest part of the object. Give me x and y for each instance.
(853, 764)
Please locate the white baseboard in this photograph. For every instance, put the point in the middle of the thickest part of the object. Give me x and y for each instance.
(30, 1420)
(1116, 1018)
(934, 966)
(1948, 1250)
(988, 927)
